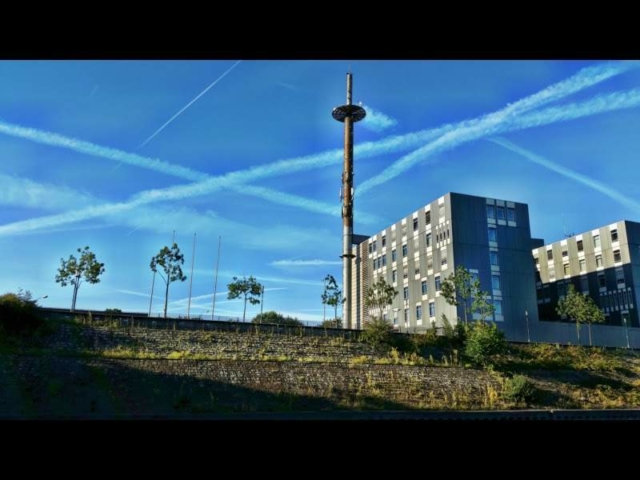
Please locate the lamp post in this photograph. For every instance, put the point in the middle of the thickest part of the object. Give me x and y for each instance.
(626, 330)
(526, 316)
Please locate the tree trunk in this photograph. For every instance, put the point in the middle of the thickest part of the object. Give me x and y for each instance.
(244, 313)
(75, 296)
(166, 300)
(578, 331)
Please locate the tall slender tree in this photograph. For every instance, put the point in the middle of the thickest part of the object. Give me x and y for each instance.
(580, 308)
(247, 288)
(332, 296)
(169, 261)
(74, 270)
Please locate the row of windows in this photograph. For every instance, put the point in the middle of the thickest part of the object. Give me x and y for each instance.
(617, 257)
(580, 245)
(501, 213)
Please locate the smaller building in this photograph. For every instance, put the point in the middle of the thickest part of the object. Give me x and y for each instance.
(603, 263)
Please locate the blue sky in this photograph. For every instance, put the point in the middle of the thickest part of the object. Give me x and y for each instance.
(117, 155)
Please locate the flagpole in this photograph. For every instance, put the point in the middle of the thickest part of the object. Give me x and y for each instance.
(193, 261)
(215, 284)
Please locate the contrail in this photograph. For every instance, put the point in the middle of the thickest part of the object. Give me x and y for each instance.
(500, 120)
(377, 121)
(211, 184)
(188, 105)
(304, 263)
(566, 172)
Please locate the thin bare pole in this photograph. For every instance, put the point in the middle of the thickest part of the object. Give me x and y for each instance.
(153, 284)
(193, 261)
(215, 283)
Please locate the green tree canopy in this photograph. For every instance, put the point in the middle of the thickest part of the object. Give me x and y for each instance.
(277, 318)
(74, 271)
(580, 308)
(332, 294)
(168, 264)
(247, 288)
(379, 296)
(460, 288)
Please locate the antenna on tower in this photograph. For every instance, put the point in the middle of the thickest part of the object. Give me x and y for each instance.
(564, 228)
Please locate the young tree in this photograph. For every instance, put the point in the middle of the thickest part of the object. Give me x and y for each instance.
(460, 288)
(248, 288)
(73, 271)
(378, 296)
(170, 261)
(580, 308)
(332, 295)
(277, 318)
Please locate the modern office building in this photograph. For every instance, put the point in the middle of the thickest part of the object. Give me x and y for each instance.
(603, 263)
(490, 238)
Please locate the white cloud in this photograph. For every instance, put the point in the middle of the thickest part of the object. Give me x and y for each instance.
(304, 263)
(376, 120)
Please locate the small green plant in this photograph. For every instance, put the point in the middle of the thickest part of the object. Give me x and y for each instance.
(484, 341)
(378, 332)
(518, 389)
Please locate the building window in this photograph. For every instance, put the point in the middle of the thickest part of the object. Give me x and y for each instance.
(384, 241)
(404, 250)
(394, 255)
(425, 288)
(430, 262)
(428, 239)
(405, 275)
(374, 264)
(619, 276)
(580, 246)
(432, 309)
(616, 256)
(427, 217)
(416, 271)
(374, 245)
(536, 260)
(384, 317)
(370, 248)
(584, 284)
(394, 276)
(406, 293)
(561, 289)
(511, 214)
(601, 280)
(498, 307)
(493, 236)
(500, 213)
(549, 254)
(406, 315)
(474, 277)
(437, 283)
(418, 312)
(493, 258)
(384, 260)
(443, 260)
(599, 261)
(565, 253)
(491, 211)
(614, 235)
(566, 268)
(583, 264)
(495, 282)
(596, 241)
(415, 224)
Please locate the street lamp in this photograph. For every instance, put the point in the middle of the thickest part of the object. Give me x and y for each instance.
(626, 329)
(526, 316)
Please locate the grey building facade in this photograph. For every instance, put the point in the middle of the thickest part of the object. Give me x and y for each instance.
(491, 238)
(603, 263)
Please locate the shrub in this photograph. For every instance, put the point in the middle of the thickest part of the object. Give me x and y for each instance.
(378, 332)
(519, 389)
(278, 318)
(332, 323)
(484, 341)
(19, 313)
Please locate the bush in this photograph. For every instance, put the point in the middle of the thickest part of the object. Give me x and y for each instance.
(19, 313)
(453, 336)
(333, 323)
(277, 318)
(519, 389)
(378, 332)
(484, 341)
